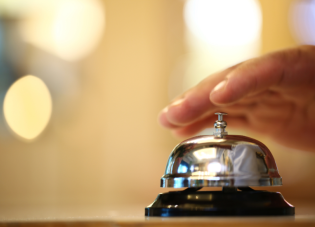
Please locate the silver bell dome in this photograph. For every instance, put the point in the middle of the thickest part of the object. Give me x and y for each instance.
(220, 160)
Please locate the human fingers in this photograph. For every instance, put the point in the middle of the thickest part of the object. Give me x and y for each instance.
(264, 96)
(283, 70)
(193, 129)
(193, 104)
(258, 117)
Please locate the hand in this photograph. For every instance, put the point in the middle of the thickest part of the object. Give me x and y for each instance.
(273, 95)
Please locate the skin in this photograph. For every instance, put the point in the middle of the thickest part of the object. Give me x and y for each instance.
(273, 95)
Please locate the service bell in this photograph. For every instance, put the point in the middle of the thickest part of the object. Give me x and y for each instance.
(233, 162)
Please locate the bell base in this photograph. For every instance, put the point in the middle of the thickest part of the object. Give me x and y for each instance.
(219, 203)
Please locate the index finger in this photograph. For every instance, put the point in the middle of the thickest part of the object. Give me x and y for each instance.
(193, 104)
(282, 71)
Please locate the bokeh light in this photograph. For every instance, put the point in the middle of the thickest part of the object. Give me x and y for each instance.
(302, 21)
(219, 34)
(224, 22)
(78, 27)
(27, 107)
(69, 29)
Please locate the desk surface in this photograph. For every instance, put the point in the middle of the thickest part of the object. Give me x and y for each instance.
(123, 215)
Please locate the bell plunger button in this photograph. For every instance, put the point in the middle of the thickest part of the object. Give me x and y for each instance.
(220, 125)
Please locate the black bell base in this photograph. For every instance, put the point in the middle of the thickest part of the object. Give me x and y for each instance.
(219, 203)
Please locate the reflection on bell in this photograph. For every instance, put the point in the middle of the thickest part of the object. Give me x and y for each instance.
(230, 161)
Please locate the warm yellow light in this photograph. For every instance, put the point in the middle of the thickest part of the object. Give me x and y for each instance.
(27, 107)
(224, 22)
(69, 29)
(78, 26)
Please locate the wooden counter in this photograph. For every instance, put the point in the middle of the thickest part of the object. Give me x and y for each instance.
(99, 216)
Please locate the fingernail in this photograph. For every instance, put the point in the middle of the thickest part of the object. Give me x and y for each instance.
(164, 110)
(220, 86)
(177, 102)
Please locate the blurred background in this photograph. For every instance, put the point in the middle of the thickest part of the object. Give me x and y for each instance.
(82, 82)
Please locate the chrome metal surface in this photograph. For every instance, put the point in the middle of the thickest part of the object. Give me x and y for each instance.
(208, 161)
(219, 161)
